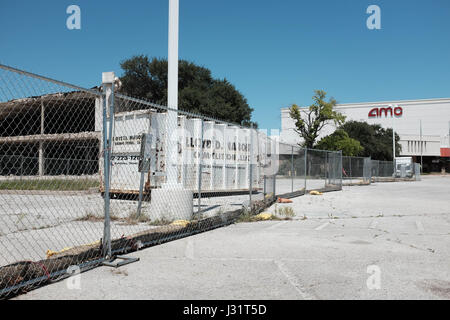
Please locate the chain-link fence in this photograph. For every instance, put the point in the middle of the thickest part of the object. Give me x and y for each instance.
(49, 171)
(382, 170)
(363, 170)
(301, 170)
(356, 170)
(89, 174)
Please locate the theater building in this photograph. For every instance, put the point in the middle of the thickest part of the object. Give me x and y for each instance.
(423, 127)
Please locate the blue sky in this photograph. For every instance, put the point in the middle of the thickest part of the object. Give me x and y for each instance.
(275, 52)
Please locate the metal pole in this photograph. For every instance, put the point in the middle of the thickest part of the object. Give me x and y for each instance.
(200, 157)
(292, 168)
(251, 168)
(41, 143)
(141, 191)
(172, 94)
(274, 185)
(351, 175)
(421, 147)
(340, 168)
(265, 190)
(21, 166)
(306, 164)
(393, 138)
(142, 178)
(393, 143)
(108, 101)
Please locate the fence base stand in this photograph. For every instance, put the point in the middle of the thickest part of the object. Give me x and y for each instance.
(125, 260)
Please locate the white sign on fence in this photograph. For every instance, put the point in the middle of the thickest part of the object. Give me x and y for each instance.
(223, 155)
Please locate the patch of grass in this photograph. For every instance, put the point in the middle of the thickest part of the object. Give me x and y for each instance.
(50, 184)
(249, 217)
(160, 222)
(119, 272)
(20, 217)
(91, 217)
(134, 218)
(286, 211)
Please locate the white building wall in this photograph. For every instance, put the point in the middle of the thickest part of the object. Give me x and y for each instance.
(434, 114)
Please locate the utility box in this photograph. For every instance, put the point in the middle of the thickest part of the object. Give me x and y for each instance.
(146, 153)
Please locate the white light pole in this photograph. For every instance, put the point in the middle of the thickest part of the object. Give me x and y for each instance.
(393, 140)
(421, 146)
(172, 201)
(393, 132)
(172, 95)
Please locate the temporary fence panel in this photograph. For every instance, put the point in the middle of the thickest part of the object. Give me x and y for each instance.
(386, 169)
(50, 145)
(367, 172)
(334, 171)
(286, 171)
(316, 169)
(299, 169)
(356, 170)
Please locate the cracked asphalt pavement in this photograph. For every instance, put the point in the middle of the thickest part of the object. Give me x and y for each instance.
(328, 251)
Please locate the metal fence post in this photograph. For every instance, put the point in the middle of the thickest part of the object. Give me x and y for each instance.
(350, 171)
(21, 166)
(306, 165)
(199, 198)
(292, 168)
(264, 181)
(108, 102)
(274, 185)
(251, 168)
(340, 169)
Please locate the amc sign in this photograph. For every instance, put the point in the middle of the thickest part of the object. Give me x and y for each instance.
(378, 112)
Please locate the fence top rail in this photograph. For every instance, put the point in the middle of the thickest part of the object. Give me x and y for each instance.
(352, 157)
(33, 75)
(321, 150)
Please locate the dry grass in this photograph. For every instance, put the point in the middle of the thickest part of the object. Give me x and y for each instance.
(50, 184)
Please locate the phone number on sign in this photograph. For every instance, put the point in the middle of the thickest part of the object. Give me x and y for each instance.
(125, 158)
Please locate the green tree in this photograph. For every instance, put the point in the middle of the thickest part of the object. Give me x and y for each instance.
(376, 141)
(310, 121)
(339, 140)
(198, 91)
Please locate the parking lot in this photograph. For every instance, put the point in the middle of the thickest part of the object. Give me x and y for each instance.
(328, 251)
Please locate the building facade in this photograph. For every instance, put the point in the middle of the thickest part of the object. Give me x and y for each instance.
(423, 127)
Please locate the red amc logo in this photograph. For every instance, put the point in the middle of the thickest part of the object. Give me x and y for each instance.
(378, 112)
